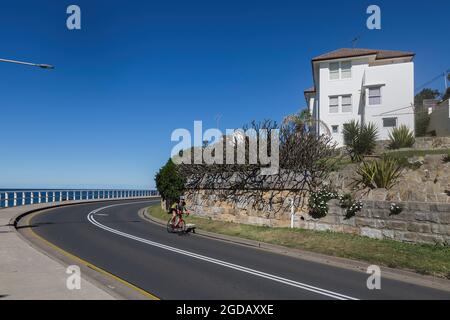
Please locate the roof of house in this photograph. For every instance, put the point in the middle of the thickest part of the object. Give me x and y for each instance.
(310, 90)
(354, 52)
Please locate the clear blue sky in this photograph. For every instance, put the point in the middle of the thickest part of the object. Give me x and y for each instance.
(139, 69)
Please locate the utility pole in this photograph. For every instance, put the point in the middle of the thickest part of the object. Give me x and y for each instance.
(446, 78)
(218, 117)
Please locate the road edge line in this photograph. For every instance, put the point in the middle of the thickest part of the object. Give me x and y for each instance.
(32, 213)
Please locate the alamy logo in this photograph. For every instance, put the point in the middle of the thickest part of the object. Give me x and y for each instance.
(73, 281)
(374, 280)
(208, 147)
(73, 21)
(374, 20)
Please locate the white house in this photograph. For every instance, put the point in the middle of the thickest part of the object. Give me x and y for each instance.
(366, 85)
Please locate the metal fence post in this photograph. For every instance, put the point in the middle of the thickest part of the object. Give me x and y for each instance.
(6, 200)
(31, 197)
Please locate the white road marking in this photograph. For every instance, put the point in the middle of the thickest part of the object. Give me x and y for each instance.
(254, 272)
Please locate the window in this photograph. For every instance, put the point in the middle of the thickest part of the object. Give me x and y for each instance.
(334, 71)
(389, 122)
(374, 96)
(335, 129)
(340, 70)
(346, 69)
(334, 104)
(347, 103)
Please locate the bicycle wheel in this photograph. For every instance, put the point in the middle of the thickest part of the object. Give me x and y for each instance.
(182, 226)
(170, 224)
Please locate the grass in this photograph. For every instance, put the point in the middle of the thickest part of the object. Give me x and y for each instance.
(416, 153)
(421, 258)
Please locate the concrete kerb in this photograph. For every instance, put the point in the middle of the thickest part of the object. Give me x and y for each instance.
(30, 270)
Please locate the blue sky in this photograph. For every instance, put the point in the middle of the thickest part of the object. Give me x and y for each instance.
(137, 70)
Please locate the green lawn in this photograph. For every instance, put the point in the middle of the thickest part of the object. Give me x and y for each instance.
(416, 153)
(424, 259)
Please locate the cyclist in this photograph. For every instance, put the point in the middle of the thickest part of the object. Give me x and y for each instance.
(178, 208)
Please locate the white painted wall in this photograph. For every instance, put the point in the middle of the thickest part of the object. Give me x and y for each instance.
(338, 88)
(397, 93)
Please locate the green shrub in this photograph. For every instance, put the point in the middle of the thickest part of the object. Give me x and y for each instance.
(360, 139)
(401, 137)
(350, 205)
(382, 173)
(170, 183)
(318, 202)
(446, 158)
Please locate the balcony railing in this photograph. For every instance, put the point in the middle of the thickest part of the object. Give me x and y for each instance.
(13, 198)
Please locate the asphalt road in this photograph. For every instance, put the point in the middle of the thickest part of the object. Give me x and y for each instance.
(171, 266)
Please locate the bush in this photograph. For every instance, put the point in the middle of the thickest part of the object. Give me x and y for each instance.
(351, 206)
(446, 158)
(360, 139)
(318, 202)
(169, 182)
(401, 137)
(383, 173)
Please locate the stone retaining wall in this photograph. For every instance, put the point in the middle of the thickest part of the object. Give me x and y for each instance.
(422, 143)
(417, 223)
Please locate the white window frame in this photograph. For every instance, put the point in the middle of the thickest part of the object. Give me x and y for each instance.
(339, 70)
(334, 105)
(349, 70)
(337, 129)
(379, 96)
(346, 105)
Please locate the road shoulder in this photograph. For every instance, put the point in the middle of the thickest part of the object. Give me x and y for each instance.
(32, 269)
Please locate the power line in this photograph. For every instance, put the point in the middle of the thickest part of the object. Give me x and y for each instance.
(444, 74)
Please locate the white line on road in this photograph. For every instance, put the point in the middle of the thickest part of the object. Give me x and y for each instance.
(261, 274)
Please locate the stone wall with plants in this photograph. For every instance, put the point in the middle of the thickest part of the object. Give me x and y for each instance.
(414, 222)
(421, 179)
(420, 143)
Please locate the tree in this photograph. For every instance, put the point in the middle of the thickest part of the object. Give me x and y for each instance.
(169, 183)
(422, 118)
(305, 160)
(447, 92)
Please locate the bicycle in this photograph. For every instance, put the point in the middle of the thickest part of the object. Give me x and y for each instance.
(177, 223)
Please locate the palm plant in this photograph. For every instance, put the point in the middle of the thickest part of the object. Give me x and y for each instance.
(401, 137)
(360, 139)
(383, 173)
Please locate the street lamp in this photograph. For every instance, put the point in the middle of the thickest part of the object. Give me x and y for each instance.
(40, 65)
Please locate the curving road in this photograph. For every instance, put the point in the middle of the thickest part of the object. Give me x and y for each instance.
(113, 237)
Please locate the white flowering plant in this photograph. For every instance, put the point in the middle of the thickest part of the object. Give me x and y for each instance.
(353, 209)
(351, 206)
(395, 209)
(318, 202)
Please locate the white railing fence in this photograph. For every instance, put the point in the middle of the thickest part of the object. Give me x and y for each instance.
(13, 198)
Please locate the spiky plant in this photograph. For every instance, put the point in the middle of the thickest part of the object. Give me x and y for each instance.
(383, 173)
(401, 137)
(360, 139)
